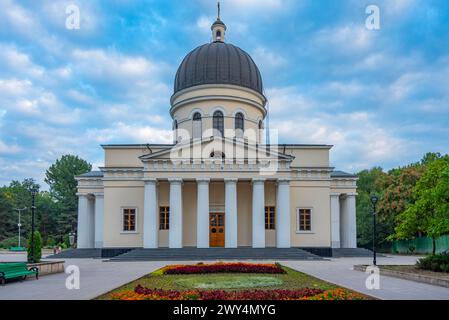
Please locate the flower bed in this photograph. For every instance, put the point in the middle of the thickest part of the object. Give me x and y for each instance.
(141, 293)
(224, 268)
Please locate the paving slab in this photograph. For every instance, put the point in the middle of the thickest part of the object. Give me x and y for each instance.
(340, 271)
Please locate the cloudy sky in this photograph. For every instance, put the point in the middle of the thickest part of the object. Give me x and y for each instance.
(380, 96)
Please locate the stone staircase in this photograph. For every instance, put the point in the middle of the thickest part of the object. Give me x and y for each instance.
(352, 253)
(89, 253)
(213, 254)
(77, 254)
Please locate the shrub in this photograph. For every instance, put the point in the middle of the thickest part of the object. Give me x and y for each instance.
(37, 253)
(437, 263)
(13, 242)
(50, 242)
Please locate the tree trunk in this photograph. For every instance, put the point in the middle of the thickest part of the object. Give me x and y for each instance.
(434, 246)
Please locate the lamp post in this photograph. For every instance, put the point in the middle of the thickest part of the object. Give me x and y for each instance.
(20, 223)
(33, 192)
(374, 200)
(72, 239)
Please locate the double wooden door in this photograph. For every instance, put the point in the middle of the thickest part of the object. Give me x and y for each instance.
(217, 230)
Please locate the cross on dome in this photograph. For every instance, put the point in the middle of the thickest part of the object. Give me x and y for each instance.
(218, 27)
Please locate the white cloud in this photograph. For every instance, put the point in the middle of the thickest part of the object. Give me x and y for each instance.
(102, 64)
(18, 62)
(268, 59)
(130, 134)
(8, 149)
(344, 39)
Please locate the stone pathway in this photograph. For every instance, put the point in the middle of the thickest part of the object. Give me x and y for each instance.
(98, 277)
(340, 271)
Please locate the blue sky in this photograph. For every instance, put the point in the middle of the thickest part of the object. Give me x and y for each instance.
(381, 97)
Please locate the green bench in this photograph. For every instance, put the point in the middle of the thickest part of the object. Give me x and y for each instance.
(16, 270)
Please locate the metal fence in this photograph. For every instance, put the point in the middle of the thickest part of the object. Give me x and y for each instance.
(421, 245)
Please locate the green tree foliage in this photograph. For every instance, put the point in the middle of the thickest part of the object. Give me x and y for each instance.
(61, 179)
(368, 183)
(36, 254)
(429, 214)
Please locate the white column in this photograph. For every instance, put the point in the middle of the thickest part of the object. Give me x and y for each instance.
(202, 213)
(348, 222)
(83, 211)
(335, 220)
(99, 219)
(283, 214)
(231, 213)
(91, 222)
(258, 213)
(150, 215)
(175, 232)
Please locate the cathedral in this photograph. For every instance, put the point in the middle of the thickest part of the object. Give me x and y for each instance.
(222, 182)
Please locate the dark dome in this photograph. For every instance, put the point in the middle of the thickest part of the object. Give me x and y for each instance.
(218, 63)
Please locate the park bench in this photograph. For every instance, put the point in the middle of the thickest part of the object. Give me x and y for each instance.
(16, 270)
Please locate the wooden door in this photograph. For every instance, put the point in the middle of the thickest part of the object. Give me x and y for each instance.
(217, 230)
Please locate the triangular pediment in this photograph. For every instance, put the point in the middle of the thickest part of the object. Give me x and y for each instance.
(216, 148)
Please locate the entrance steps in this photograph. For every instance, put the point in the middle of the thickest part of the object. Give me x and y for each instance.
(213, 254)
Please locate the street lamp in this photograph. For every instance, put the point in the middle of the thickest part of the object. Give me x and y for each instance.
(72, 239)
(20, 223)
(33, 192)
(374, 200)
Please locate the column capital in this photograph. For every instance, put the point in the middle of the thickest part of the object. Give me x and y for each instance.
(149, 180)
(258, 180)
(203, 180)
(335, 194)
(352, 194)
(81, 194)
(231, 180)
(284, 181)
(99, 195)
(175, 180)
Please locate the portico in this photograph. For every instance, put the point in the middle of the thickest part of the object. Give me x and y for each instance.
(230, 208)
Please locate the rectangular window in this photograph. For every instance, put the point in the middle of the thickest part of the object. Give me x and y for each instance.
(270, 218)
(305, 219)
(129, 220)
(164, 218)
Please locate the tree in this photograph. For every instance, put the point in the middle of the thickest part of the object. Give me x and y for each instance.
(429, 214)
(16, 195)
(368, 183)
(63, 186)
(397, 194)
(36, 254)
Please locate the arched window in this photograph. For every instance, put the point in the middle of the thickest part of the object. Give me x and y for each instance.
(239, 125)
(218, 123)
(260, 125)
(260, 131)
(218, 34)
(197, 129)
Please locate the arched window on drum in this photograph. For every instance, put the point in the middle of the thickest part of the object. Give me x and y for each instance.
(218, 124)
(197, 129)
(239, 125)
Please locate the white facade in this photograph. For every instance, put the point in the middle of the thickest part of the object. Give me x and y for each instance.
(218, 184)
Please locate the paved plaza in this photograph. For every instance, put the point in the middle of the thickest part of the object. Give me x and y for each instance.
(98, 276)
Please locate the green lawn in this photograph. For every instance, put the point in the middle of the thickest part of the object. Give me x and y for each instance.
(291, 280)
